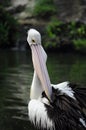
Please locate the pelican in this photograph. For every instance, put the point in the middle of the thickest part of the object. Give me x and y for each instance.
(53, 107)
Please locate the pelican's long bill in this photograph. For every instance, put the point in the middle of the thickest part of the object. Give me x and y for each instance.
(40, 68)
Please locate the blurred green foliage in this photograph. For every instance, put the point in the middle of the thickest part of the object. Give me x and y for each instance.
(80, 44)
(44, 8)
(8, 29)
(60, 34)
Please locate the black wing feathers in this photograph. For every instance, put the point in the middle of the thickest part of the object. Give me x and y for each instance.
(65, 111)
(80, 94)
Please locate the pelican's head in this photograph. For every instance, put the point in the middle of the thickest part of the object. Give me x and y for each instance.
(34, 37)
(39, 60)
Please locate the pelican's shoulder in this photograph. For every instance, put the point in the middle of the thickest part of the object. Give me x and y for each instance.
(74, 91)
(61, 85)
(65, 88)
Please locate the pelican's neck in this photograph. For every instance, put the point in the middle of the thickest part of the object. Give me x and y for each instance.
(36, 88)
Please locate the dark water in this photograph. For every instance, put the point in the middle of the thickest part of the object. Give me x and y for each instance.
(15, 78)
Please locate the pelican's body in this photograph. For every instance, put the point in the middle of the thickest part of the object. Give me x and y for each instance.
(53, 107)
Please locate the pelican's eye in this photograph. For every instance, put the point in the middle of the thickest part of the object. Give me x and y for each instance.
(33, 40)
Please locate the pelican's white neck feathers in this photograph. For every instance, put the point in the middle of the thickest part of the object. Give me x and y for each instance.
(36, 87)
